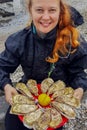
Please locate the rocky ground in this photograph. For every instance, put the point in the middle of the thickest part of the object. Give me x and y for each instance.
(15, 23)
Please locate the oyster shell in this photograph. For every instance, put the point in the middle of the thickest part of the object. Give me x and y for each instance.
(21, 109)
(64, 109)
(68, 91)
(32, 117)
(21, 99)
(58, 94)
(37, 127)
(44, 120)
(32, 86)
(45, 84)
(56, 118)
(72, 101)
(56, 86)
(22, 88)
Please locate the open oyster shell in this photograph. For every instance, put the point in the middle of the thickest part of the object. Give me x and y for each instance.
(64, 109)
(32, 117)
(56, 118)
(22, 88)
(58, 93)
(68, 91)
(37, 127)
(32, 86)
(72, 101)
(21, 99)
(56, 86)
(44, 120)
(21, 109)
(45, 84)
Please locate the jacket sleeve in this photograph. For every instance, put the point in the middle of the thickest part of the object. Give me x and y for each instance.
(9, 61)
(77, 69)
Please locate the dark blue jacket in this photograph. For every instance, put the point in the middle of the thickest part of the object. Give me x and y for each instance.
(29, 50)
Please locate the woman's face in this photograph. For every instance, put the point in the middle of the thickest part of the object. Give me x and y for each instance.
(45, 14)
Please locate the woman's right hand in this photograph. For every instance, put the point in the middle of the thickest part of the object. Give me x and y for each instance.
(9, 92)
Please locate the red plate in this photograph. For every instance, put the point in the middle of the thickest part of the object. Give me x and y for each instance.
(64, 119)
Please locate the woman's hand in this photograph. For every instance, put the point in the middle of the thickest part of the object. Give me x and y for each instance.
(78, 93)
(9, 92)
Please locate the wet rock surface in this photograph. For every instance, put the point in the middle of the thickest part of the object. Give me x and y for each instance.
(15, 23)
(3, 109)
(80, 123)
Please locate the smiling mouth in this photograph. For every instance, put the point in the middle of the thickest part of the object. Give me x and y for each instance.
(45, 24)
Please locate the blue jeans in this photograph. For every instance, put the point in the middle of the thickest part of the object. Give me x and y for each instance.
(12, 122)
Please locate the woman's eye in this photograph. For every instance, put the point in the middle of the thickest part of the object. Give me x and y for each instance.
(52, 10)
(39, 10)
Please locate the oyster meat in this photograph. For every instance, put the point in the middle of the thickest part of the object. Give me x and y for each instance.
(56, 86)
(56, 118)
(22, 88)
(64, 109)
(32, 86)
(21, 99)
(45, 84)
(21, 109)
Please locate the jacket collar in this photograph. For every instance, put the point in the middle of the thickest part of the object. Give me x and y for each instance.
(49, 35)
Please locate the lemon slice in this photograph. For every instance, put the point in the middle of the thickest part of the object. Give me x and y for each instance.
(44, 99)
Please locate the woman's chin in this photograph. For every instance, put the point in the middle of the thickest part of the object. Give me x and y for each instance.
(45, 29)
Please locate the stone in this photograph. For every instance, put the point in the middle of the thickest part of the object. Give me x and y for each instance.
(3, 1)
(3, 109)
(4, 13)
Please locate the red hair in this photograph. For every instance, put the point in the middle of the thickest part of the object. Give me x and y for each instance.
(66, 33)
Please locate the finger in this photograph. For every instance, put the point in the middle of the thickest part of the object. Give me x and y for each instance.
(10, 101)
(77, 96)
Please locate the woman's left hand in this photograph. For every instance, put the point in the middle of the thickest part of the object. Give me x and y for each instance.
(78, 93)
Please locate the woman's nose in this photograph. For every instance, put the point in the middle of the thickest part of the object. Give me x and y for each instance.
(46, 15)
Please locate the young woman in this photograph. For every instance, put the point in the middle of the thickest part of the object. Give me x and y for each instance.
(50, 47)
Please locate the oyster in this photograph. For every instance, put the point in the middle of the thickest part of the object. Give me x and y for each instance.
(21, 109)
(37, 127)
(32, 86)
(68, 91)
(44, 120)
(32, 117)
(22, 88)
(21, 99)
(64, 109)
(45, 84)
(72, 101)
(56, 86)
(56, 118)
(57, 94)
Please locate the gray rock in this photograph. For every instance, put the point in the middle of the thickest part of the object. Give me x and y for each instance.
(3, 109)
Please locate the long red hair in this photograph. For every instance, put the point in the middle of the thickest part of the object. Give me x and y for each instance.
(66, 33)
